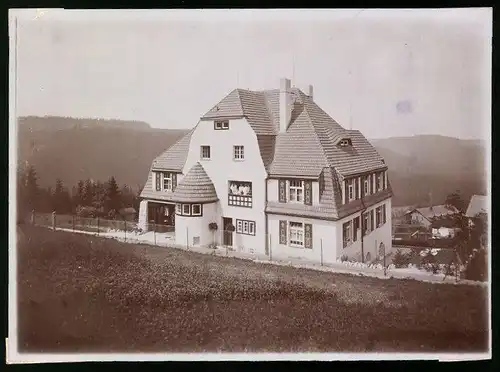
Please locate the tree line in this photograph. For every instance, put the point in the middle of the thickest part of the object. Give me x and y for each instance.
(87, 198)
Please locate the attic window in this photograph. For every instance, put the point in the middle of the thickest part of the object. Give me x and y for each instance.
(345, 142)
(221, 124)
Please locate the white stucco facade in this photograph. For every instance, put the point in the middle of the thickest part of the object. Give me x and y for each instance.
(222, 168)
(371, 241)
(194, 230)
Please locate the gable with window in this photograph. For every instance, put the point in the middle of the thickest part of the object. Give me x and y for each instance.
(295, 191)
(238, 152)
(165, 181)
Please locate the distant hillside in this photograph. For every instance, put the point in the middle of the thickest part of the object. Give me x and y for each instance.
(425, 169)
(74, 149)
(60, 123)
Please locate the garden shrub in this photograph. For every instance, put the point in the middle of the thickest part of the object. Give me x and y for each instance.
(401, 259)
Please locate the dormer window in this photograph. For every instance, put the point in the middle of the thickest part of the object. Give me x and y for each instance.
(221, 124)
(345, 142)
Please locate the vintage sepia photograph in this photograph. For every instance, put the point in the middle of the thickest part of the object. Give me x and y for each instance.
(249, 184)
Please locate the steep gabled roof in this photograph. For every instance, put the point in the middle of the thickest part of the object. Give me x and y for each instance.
(311, 140)
(174, 158)
(195, 187)
(478, 204)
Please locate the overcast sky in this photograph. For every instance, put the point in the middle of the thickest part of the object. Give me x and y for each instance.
(384, 73)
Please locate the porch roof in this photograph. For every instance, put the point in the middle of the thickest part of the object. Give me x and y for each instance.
(195, 187)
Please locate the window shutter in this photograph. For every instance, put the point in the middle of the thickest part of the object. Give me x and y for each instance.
(174, 181)
(372, 224)
(308, 233)
(355, 181)
(383, 214)
(308, 192)
(282, 191)
(283, 236)
(158, 180)
(346, 193)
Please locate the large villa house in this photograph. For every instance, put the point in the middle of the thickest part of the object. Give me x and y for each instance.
(278, 176)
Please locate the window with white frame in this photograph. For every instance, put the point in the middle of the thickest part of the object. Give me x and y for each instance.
(366, 185)
(350, 189)
(205, 152)
(182, 209)
(238, 152)
(221, 124)
(296, 191)
(167, 181)
(245, 227)
(347, 233)
(296, 234)
(196, 210)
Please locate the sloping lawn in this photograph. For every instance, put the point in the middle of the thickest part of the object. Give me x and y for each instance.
(79, 293)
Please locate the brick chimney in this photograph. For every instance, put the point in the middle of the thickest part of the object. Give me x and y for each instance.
(311, 91)
(285, 104)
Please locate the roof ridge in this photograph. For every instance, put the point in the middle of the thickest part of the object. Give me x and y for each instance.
(240, 101)
(325, 158)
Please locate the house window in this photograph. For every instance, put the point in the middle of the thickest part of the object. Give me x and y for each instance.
(205, 152)
(196, 210)
(345, 142)
(221, 124)
(350, 189)
(245, 227)
(240, 194)
(366, 185)
(378, 216)
(296, 191)
(238, 152)
(167, 181)
(186, 209)
(296, 234)
(178, 208)
(355, 228)
(347, 233)
(366, 223)
(196, 240)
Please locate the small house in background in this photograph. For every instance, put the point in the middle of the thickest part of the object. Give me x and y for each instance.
(478, 204)
(425, 216)
(445, 227)
(128, 214)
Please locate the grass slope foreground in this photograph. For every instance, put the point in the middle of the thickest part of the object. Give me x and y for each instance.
(86, 294)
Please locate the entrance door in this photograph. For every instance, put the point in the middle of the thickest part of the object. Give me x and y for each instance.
(228, 235)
